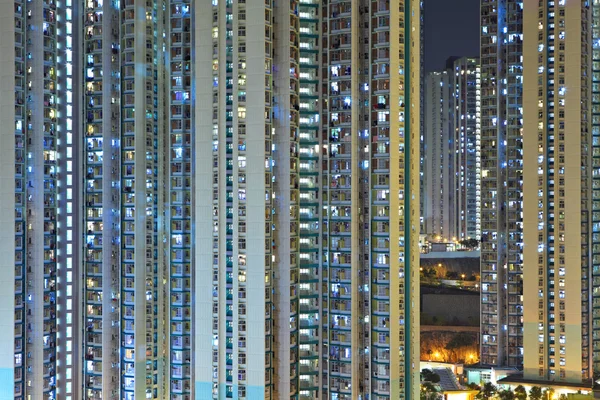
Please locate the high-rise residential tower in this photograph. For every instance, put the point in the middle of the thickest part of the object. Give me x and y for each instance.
(501, 182)
(370, 219)
(307, 133)
(557, 191)
(209, 199)
(97, 194)
(247, 277)
(451, 170)
(467, 146)
(595, 227)
(439, 175)
(40, 246)
(422, 119)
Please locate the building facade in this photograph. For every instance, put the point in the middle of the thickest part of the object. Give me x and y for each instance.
(370, 199)
(439, 175)
(501, 183)
(247, 278)
(210, 199)
(467, 144)
(38, 149)
(557, 184)
(595, 228)
(331, 119)
(422, 120)
(451, 165)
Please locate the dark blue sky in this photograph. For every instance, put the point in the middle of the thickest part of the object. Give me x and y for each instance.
(451, 29)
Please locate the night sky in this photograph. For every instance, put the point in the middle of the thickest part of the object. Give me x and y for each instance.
(451, 29)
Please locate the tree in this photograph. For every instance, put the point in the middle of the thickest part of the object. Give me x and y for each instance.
(430, 376)
(487, 391)
(506, 395)
(520, 393)
(548, 394)
(441, 271)
(452, 275)
(469, 243)
(460, 345)
(460, 340)
(429, 391)
(535, 393)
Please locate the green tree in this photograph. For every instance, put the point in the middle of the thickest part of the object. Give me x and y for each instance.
(429, 392)
(452, 275)
(469, 243)
(548, 394)
(428, 375)
(535, 393)
(487, 391)
(520, 393)
(506, 395)
(460, 340)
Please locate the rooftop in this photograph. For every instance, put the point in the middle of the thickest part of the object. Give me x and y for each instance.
(519, 379)
(448, 381)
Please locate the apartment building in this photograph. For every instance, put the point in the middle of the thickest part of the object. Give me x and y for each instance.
(557, 184)
(467, 146)
(336, 103)
(209, 199)
(439, 175)
(501, 183)
(451, 175)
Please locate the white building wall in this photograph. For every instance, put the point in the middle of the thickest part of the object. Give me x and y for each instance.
(202, 203)
(439, 174)
(7, 202)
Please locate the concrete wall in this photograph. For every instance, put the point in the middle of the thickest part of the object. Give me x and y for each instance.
(465, 308)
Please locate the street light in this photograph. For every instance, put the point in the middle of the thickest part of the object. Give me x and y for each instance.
(463, 276)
